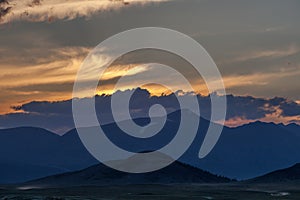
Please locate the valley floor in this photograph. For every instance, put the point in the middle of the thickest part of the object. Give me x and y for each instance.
(199, 192)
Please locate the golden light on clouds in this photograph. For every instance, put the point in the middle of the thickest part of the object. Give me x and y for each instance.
(46, 79)
(237, 121)
(51, 78)
(123, 70)
(277, 117)
(51, 10)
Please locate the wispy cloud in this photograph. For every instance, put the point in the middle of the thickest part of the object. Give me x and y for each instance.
(259, 79)
(50, 10)
(266, 54)
(51, 76)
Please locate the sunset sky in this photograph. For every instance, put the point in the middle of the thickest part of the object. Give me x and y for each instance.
(255, 44)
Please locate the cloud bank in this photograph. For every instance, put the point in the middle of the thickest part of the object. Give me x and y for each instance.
(57, 116)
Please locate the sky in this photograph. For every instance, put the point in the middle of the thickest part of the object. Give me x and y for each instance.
(255, 44)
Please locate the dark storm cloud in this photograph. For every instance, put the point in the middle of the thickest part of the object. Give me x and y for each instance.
(58, 115)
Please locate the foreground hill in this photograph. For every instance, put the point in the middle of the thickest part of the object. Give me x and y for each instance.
(100, 175)
(291, 174)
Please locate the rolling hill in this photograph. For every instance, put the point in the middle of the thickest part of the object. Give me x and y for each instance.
(101, 175)
(291, 174)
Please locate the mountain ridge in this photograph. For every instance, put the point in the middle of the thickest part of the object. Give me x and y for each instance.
(241, 153)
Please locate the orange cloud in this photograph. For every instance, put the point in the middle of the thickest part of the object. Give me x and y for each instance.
(277, 117)
(237, 121)
(51, 77)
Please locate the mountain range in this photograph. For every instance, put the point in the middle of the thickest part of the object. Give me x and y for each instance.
(243, 152)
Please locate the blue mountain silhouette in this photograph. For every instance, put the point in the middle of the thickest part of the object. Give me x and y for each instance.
(244, 152)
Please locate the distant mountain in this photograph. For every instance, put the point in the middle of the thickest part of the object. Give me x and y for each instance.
(242, 153)
(250, 150)
(290, 174)
(294, 128)
(100, 175)
(27, 153)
